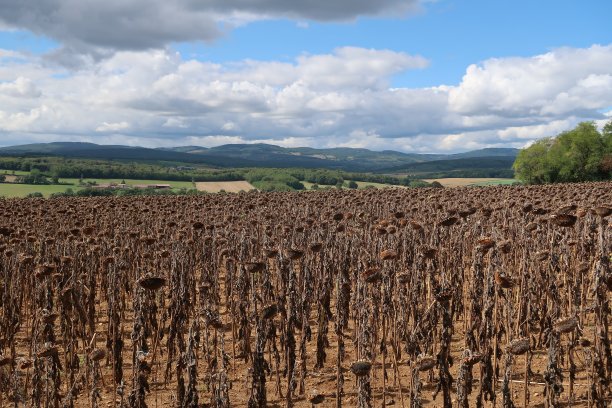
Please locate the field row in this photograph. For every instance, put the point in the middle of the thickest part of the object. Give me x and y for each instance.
(496, 296)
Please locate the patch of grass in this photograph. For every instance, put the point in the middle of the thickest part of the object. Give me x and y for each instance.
(363, 184)
(500, 182)
(174, 184)
(360, 185)
(15, 172)
(9, 190)
(472, 182)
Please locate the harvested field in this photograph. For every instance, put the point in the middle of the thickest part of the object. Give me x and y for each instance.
(228, 186)
(496, 296)
(463, 182)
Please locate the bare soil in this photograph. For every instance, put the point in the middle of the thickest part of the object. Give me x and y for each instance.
(228, 186)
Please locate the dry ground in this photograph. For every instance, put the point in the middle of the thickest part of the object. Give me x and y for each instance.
(228, 186)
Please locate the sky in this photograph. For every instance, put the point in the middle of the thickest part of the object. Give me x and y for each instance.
(406, 75)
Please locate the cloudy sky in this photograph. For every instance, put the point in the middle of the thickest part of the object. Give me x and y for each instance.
(408, 75)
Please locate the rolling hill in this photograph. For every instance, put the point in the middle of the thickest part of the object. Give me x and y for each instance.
(266, 155)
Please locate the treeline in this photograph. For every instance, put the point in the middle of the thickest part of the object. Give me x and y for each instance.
(581, 154)
(53, 169)
(292, 179)
(475, 173)
(107, 192)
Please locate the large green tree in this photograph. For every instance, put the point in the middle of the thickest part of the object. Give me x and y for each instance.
(580, 154)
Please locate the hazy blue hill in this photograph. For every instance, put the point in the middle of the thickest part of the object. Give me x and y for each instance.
(104, 152)
(55, 147)
(489, 152)
(480, 166)
(184, 149)
(341, 157)
(267, 155)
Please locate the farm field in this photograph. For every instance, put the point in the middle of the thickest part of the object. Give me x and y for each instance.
(9, 190)
(227, 186)
(360, 184)
(174, 184)
(14, 172)
(458, 297)
(463, 182)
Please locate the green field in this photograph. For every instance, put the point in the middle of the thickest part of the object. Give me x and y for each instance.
(499, 182)
(14, 172)
(360, 184)
(11, 190)
(364, 184)
(174, 184)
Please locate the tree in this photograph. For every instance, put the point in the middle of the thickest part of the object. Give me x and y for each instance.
(34, 177)
(352, 184)
(2, 178)
(531, 164)
(295, 184)
(580, 154)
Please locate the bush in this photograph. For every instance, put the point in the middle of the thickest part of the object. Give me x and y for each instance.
(95, 192)
(68, 193)
(581, 154)
(296, 185)
(419, 184)
(35, 177)
(352, 184)
(35, 194)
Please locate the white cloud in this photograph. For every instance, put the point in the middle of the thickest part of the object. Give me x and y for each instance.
(91, 29)
(558, 82)
(20, 88)
(112, 127)
(156, 98)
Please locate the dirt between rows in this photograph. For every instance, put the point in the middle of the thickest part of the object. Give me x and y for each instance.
(318, 381)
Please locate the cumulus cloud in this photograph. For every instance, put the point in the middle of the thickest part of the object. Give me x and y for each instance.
(20, 87)
(93, 26)
(343, 98)
(112, 127)
(555, 83)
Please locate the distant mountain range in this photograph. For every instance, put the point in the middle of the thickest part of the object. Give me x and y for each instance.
(266, 155)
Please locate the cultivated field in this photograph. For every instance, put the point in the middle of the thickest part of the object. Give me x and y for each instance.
(227, 186)
(12, 190)
(481, 297)
(360, 185)
(173, 184)
(463, 182)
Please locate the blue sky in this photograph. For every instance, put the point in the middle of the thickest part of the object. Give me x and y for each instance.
(409, 75)
(451, 34)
